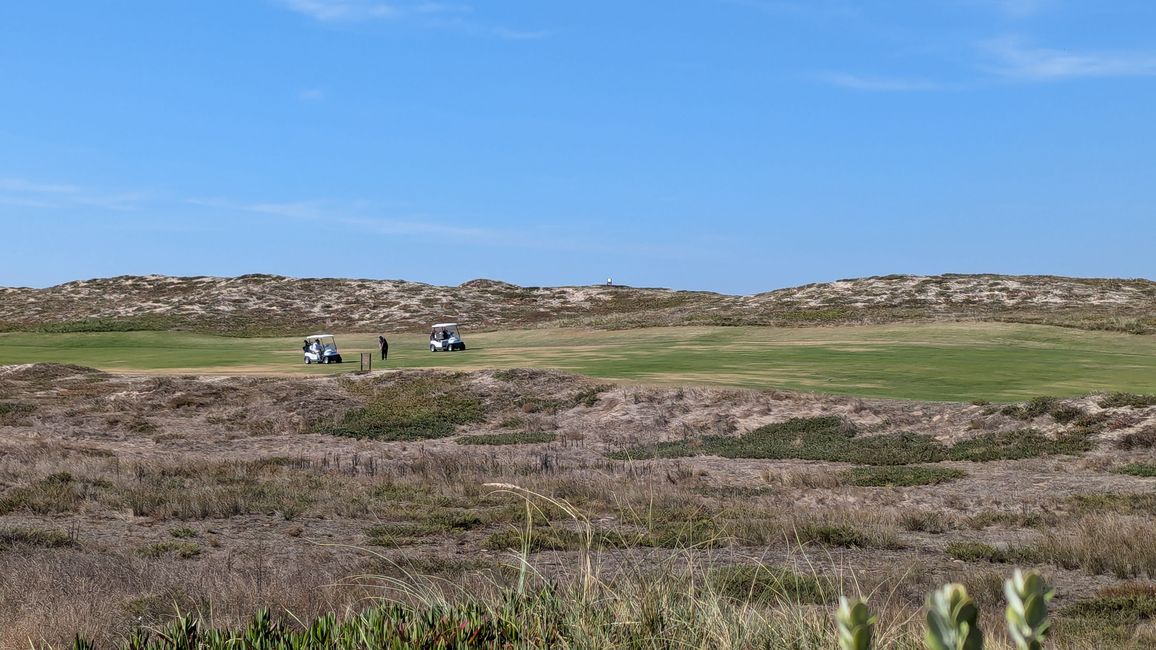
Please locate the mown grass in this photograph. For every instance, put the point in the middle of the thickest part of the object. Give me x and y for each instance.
(961, 362)
(834, 439)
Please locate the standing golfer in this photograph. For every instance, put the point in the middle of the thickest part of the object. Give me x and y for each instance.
(384, 344)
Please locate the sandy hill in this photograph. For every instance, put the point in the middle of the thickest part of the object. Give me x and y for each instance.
(254, 304)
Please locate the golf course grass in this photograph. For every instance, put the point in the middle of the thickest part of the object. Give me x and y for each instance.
(947, 362)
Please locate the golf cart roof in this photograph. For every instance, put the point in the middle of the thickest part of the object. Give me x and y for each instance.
(319, 336)
(445, 325)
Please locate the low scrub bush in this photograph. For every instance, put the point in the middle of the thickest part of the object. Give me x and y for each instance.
(1142, 439)
(518, 438)
(436, 522)
(1113, 615)
(848, 532)
(1127, 400)
(926, 521)
(15, 408)
(53, 494)
(982, 552)
(901, 476)
(182, 550)
(831, 438)
(1146, 470)
(1065, 413)
(538, 539)
(416, 408)
(35, 537)
(1143, 503)
(668, 612)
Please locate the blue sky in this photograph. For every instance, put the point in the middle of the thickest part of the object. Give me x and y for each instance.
(730, 145)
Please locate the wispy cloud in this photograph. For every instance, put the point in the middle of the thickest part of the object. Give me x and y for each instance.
(311, 94)
(339, 10)
(812, 8)
(357, 10)
(352, 216)
(879, 84)
(24, 186)
(345, 215)
(1012, 8)
(1015, 60)
(21, 192)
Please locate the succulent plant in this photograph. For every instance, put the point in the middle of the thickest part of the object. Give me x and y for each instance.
(952, 620)
(1027, 609)
(856, 625)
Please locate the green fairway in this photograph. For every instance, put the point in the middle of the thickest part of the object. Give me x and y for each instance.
(998, 362)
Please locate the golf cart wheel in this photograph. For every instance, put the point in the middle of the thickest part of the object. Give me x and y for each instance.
(337, 358)
(308, 362)
(432, 347)
(462, 347)
(325, 360)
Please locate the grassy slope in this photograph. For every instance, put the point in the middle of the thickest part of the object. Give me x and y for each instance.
(934, 362)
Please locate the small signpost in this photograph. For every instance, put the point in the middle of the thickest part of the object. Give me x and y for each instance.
(366, 361)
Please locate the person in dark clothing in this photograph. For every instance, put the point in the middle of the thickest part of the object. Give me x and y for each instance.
(384, 344)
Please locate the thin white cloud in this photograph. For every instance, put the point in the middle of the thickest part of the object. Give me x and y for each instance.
(332, 11)
(339, 215)
(1015, 60)
(311, 94)
(809, 8)
(1012, 8)
(340, 10)
(20, 192)
(879, 84)
(24, 186)
(323, 213)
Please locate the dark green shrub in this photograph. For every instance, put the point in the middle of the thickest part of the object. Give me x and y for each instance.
(519, 438)
(14, 408)
(831, 438)
(35, 537)
(1142, 439)
(901, 476)
(1127, 400)
(844, 535)
(1118, 605)
(1146, 470)
(182, 550)
(1065, 413)
(417, 408)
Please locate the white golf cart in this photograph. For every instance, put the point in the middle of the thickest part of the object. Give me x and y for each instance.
(321, 348)
(444, 337)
